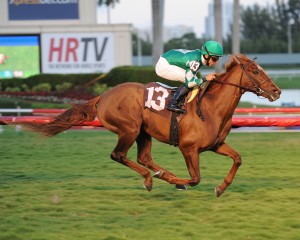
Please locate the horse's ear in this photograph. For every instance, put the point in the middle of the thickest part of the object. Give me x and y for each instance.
(240, 56)
(230, 56)
(236, 58)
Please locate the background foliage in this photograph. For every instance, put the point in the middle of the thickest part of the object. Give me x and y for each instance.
(264, 30)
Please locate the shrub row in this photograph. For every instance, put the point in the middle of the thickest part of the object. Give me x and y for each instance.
(57, 82)
(142, 74)
(52, 79)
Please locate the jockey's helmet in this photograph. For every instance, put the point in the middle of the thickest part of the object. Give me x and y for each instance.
(212, 48)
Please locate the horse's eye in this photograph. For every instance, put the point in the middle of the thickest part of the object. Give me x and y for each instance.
(255, 72)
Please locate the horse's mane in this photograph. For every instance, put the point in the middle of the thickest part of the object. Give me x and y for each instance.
(229, 65)
(232, 62)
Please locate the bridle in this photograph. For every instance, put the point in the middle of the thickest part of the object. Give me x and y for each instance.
(257, 89)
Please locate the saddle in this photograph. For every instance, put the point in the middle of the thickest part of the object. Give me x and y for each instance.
(156, 98)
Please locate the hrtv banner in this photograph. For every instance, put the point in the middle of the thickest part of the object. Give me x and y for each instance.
(77, 52)
(43, 9)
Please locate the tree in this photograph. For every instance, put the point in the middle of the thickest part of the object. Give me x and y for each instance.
(187, 41)
(157, 25)
(108, 3)
(236, 27)
(260, 31)
(146, 45)
(157, 29)
(266, 29)
(295, 28)
(218, 25)
(288, 19)
(257, 21)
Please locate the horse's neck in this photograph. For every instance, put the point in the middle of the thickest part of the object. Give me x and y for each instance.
(226, 97)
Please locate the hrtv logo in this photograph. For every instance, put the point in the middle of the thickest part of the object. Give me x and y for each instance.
(76, 49)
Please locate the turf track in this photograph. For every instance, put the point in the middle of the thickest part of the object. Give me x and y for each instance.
(67, 187)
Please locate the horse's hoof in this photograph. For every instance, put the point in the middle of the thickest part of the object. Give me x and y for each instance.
(158, 174)
(181, 187)
(148, 188)
(218, 191)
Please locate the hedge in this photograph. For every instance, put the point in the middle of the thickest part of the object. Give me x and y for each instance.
(116, 76)
(142, 74)
(52, 79)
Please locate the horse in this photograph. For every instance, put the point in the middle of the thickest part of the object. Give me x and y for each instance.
(121, 110)
(3, 57)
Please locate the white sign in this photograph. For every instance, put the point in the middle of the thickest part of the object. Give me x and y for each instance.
(77, 52)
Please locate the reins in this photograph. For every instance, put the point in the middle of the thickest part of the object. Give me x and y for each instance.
(258, 91)
(236, 85)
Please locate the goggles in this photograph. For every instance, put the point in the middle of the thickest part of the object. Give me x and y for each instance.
(215, 58)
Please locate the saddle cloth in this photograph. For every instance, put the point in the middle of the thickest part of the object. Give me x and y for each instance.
(156, 98)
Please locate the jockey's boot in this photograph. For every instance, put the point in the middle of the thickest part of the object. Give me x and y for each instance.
(180, 93)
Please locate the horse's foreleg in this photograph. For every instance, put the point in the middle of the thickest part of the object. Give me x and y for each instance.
(192, 162)
(226, 150)
(119, 154)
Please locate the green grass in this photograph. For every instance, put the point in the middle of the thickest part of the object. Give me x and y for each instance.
(66, 187)
(288, 82)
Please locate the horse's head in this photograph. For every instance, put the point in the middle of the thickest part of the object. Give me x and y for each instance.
(255, 79)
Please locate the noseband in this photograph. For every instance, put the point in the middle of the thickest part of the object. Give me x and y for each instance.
(257, 90)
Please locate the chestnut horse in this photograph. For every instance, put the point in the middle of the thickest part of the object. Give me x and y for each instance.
(121, 110)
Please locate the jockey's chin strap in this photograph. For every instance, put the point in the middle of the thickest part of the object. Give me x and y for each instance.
(257, 90)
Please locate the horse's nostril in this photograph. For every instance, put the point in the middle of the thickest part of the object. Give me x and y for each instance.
(277, 91)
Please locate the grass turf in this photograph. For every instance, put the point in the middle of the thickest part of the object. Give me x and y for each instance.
(66, 187)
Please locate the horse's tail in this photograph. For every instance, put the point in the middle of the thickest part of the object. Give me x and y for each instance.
(77, 114)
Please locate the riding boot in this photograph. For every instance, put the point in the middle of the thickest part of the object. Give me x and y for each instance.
(180, 93)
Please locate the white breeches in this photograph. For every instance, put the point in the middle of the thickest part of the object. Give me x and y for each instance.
(169, 72)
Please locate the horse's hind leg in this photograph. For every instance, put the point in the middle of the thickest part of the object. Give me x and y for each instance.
(119, 154)
(144, 144)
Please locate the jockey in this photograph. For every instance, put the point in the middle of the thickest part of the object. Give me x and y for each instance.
(182, 65)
